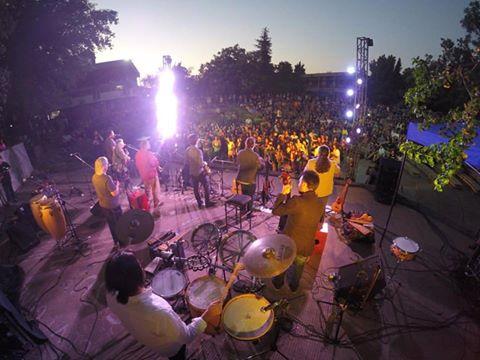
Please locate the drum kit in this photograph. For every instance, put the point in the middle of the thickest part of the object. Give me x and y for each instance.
(244, 317)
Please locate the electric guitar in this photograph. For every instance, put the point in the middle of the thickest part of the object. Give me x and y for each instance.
(337, 205)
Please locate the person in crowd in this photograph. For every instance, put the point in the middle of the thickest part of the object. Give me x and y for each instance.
(109, 145)
(6, 181)
(108, 193)
(196, 169)
(148, 317)
(303, 212)
(120, 162)
(249, 162)
(97, 143)
(326, 170)
(147, 165)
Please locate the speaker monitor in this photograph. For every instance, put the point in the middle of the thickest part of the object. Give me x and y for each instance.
(22, 234)
(388, 172)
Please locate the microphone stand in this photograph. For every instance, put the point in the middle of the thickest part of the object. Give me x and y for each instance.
(77, 156)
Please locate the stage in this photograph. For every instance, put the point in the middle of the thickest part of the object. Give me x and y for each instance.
(421, 314)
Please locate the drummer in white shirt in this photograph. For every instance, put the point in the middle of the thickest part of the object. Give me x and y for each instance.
(148, 317)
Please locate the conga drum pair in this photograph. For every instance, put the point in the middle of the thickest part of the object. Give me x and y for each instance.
(53, 218)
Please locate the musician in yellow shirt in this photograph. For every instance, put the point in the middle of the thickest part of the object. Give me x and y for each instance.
(326, 170)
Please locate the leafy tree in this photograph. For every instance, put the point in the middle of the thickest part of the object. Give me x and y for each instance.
(386, 84)
(284, 76)
(231, 71)
(299, 82)
(447, 91)
(49, 46)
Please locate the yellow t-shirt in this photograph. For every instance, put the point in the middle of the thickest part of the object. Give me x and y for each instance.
(325, 188)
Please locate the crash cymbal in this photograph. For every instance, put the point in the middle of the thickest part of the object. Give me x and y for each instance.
(270, 255)
(134, 227)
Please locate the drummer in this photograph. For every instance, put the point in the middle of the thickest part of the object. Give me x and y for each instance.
(148, 317)
(304, 212)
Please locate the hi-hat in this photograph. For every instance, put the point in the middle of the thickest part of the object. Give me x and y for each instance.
(270, 255)
(134, 227)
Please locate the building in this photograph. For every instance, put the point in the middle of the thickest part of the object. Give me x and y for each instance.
(106, 81)
(329, 84)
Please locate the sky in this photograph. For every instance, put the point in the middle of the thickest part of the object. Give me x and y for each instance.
(320, 33)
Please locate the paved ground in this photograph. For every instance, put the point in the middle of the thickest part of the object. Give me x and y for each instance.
(425, 311)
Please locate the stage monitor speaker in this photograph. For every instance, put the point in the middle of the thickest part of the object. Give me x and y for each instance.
(22, 234)
(388, 172)
(359, 281)
(25, 216)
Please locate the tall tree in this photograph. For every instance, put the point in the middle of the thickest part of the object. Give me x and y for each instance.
(386, 84)
(299, 81)
(453, 78)
(51, 44)
(263, 54)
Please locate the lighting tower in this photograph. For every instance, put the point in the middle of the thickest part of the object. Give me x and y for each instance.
(361, 80)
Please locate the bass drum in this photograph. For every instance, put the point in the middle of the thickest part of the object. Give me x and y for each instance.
(53, 218)
(35, 203)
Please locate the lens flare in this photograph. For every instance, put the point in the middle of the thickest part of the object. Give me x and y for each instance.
(350, 92)
(166, 105)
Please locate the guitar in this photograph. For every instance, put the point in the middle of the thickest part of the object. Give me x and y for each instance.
(214, 326)
(337, 205)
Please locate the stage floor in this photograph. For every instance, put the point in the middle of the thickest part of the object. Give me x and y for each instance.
(422, 314)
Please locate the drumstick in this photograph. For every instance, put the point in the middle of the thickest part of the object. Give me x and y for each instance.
(238, 267)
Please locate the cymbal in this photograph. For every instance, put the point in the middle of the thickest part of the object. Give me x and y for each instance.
(270, 255)
(134, 227)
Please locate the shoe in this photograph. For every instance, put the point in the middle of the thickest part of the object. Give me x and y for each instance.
(201, 206)
(210, 204)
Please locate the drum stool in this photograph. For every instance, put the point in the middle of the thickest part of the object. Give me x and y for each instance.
(236, 211)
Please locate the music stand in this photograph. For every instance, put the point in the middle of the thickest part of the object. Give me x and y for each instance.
(222, 169)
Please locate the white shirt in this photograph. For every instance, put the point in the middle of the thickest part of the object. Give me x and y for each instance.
(151, 321)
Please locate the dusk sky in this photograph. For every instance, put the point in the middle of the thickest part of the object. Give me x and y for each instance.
(319, 33)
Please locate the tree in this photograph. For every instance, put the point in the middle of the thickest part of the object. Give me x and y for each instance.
(263, 56)
(284, 76)
(447, 91)
(299, 82)
(231, 71)
(50, 46)
(386, 84)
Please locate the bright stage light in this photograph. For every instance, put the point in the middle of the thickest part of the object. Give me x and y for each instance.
(349, 113)
(351, 70)
(350, 92)
(359, 81)
(357, 106)
(348, 139)
(359, 130)
(166, 104)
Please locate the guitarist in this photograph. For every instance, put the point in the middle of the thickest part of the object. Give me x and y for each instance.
(326, 170)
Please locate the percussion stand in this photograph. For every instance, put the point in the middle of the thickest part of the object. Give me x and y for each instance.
(71, 234)
(343, 307)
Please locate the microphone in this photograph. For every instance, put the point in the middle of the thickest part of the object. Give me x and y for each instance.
(73, 154)
(270, 307)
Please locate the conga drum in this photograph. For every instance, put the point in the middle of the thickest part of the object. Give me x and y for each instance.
(53, 218)
(35, 203)
(202, 292)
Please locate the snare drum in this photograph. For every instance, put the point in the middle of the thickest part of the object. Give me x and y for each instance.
(168, 283)
(404, 249)
(244, 318)
(53, 218)
(35, 203)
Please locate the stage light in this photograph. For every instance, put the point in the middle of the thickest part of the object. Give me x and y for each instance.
(357, 106)
(348, 139)
(351, 70)
(350, 92)
(359, 130)
(349, 113)
(166, 105)
(359, 81)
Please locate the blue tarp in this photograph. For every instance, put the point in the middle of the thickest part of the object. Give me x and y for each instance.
(435, 135)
